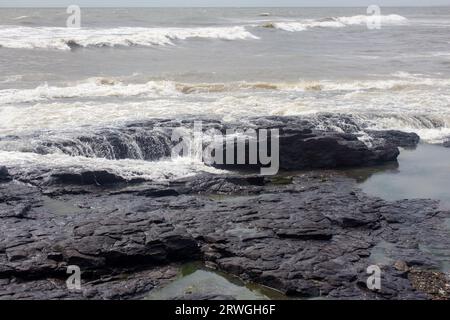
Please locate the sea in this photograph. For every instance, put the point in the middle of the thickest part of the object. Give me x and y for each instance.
(132, 64)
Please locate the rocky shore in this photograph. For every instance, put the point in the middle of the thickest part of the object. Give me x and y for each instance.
(307, 234)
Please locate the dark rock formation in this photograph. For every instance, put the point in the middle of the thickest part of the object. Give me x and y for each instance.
(313, 236)
(324, 141)
(308, 235)
(135, 141)
(397, 138)
(316, 244)
(37, 242)
(101, 177)
(4, 174)
(330, 151)
(130, 285)
(303, 148)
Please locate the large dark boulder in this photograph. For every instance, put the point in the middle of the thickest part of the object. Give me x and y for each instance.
(397, 138)
(4, 174)
(302, 148)
(99, 177)
(321, 141)
(330, 150)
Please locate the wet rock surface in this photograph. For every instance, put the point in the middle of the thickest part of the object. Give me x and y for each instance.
(4, 174)
(306, 235)
(323, 141)
(87, 177)
(131, 285)
(397, 138)
(446, 144)
(303, 148)
(311, 235)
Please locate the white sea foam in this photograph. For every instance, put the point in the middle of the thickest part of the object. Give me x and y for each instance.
(391, 19)
(405, 101)
(67, 38)
(302, 26)
(337, 22)
(161, 171)
(111, 87)
(94, 87)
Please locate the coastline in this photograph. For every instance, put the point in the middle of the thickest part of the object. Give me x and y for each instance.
(309, 235)
(224, 154)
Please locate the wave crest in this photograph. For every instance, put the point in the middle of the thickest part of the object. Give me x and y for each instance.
(113, 87)
(336, 22)
(18, 37)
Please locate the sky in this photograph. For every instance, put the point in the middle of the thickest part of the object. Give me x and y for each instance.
(218, 3)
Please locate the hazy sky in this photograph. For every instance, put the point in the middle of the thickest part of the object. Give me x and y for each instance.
(217, 3)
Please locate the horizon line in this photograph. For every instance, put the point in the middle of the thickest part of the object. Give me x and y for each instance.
(220, 7)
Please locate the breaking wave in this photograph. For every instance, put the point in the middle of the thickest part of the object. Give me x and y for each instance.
(24, 164)
(94, 87)
(404, 101)
(141, 142)
(23, 37)
(336, 22)
(68, 38)
(113, 87)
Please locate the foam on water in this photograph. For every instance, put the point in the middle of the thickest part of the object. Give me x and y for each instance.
(60, 38)
(391, 19)
(337, 22)
(96, 87)
(112, 87)
(162, 171)
(404, 102)
(20, 37)
(288, 74)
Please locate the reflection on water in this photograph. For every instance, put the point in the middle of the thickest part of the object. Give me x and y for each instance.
(361, 175)
(197, 282)
(421, 173)
(61, 207)
(381, 253)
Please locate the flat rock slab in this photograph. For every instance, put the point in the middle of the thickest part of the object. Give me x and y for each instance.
(322, 141)
(123, 286)
(312, 236)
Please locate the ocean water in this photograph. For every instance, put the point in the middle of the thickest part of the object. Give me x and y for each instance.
(422, 173)
(133, 64)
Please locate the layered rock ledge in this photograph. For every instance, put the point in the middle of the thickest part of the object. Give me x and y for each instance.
(324, 141)
(307, 235)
